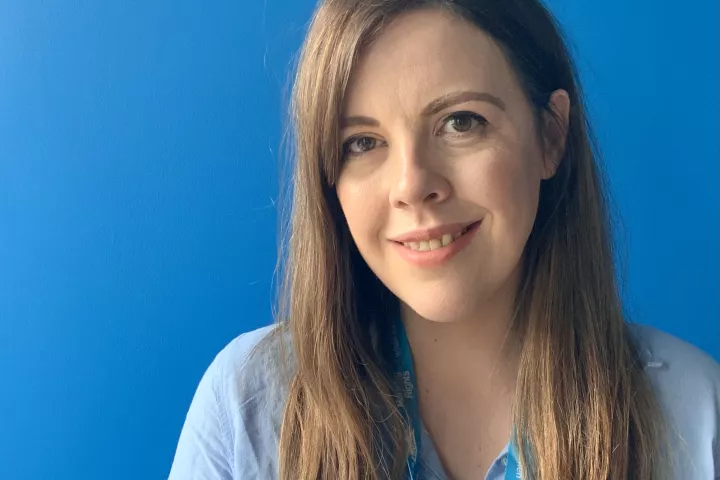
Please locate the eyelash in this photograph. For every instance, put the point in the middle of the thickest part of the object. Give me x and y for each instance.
(482, 122)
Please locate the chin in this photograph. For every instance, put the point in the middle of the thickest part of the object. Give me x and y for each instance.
(435, 308)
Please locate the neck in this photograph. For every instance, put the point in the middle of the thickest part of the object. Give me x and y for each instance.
(466, 375)
(483, 346)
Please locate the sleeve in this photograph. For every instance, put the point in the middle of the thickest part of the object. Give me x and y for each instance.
(716, 442)
(202, 450)
(716, 438)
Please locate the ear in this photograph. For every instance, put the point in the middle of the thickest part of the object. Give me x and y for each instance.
(555, 126)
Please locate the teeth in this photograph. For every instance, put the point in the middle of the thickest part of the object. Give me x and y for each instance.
(435, 243)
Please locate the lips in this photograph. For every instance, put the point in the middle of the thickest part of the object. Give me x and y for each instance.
(435, 243)
(435, 233)
(430, 251)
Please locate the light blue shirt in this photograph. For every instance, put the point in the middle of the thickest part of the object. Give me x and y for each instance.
(232, 427)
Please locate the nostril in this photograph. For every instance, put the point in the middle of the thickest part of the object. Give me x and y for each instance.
(432, 196)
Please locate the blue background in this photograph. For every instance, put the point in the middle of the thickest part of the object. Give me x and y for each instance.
(138, 177)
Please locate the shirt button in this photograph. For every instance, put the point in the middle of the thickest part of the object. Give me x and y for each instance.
(504, 460)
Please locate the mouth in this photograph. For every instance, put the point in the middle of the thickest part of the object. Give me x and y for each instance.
(440, 242)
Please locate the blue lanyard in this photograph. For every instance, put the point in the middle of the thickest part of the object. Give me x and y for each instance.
(407, 402)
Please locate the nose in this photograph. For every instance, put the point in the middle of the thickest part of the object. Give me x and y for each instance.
(419, 181)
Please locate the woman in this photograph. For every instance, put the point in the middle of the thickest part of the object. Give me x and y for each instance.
(450, 300)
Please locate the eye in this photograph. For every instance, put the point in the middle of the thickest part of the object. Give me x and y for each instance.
(462, 122)
(359, 145)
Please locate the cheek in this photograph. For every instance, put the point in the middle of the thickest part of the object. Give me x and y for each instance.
(362, 207)
(509, 188)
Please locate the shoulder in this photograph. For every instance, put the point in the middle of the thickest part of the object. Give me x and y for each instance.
(687, 382)
(246, 354)
(250, 375)
(671, 359)
(233, 422)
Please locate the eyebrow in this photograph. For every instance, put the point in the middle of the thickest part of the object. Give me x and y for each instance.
(460, 97)
(437, 105)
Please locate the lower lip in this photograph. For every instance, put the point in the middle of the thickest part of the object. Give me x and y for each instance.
(433, 258)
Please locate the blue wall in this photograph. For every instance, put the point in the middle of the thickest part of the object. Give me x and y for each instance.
(138, 161)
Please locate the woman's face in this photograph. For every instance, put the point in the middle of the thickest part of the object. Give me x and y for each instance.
(442, 165)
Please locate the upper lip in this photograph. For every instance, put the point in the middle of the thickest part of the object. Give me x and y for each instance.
(426, 234)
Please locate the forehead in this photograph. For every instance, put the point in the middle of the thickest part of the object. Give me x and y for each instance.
(422, 55)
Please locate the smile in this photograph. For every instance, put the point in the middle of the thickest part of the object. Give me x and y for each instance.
(436, 250)
(435, 243)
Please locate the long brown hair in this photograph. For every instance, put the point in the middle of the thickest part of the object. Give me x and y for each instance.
(584, 409)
